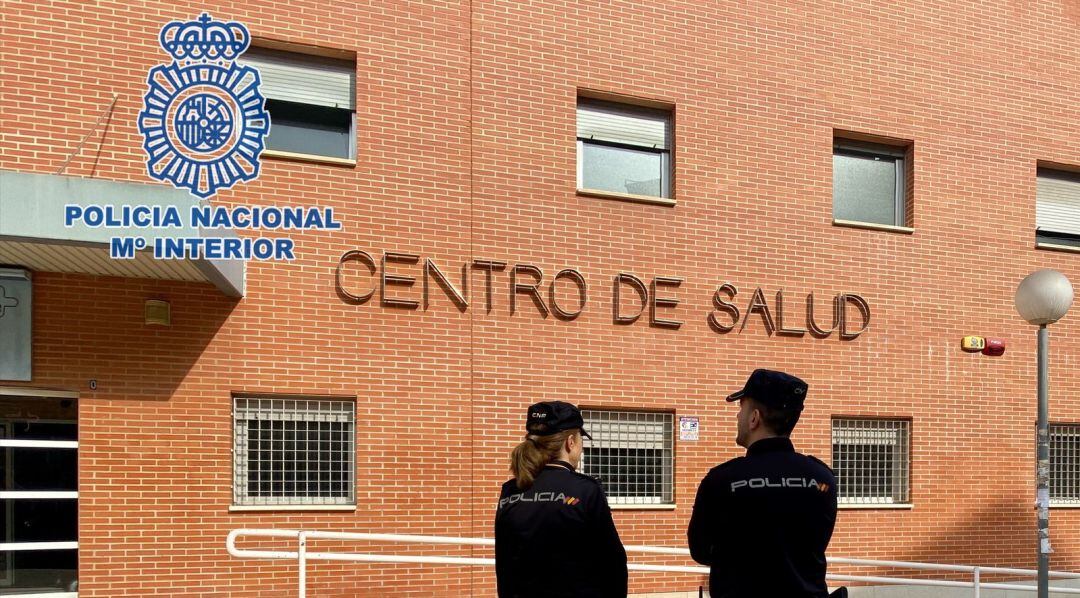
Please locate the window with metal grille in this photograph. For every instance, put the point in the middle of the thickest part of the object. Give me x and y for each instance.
(623, 148)
(291, 451)
(1065, 464)
(632, 453)
(871, 459)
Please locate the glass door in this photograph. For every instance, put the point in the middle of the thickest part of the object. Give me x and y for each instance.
(38, 497)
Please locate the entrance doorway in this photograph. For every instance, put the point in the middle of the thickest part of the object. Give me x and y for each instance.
(38, 496)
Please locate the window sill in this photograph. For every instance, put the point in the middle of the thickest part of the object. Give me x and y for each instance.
(1054, 247)
(1064, 506)
(874, 226)
(647, 199)
(871, 506)
(308, 158)
(236, 508)
(641, 507)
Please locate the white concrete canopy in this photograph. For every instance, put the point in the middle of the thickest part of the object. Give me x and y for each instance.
(33, 235)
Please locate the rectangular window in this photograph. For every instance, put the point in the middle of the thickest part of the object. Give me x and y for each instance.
(623, 148)
(632, 454)
(1057, 207)
(869, 182)
(1065, 464)
(311, 101)
(294, 452)
(871, 460)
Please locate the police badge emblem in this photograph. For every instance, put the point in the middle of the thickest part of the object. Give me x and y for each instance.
(203, 121)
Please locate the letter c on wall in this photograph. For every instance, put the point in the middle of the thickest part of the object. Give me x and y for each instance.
(349, 256)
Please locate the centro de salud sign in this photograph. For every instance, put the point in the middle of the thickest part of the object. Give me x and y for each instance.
(394, 272)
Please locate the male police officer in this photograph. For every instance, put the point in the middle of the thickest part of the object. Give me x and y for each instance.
(762, 522)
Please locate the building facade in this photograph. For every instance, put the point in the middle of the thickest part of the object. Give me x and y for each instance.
(626, 205)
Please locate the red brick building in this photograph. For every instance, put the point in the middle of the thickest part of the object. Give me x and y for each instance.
(468, 141)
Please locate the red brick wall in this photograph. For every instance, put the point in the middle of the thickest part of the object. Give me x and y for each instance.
(466, 150)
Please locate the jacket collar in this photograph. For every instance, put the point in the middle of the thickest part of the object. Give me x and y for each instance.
(560, 464)
(775, 444)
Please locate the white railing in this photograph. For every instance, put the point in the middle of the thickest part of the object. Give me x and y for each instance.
(302, 555)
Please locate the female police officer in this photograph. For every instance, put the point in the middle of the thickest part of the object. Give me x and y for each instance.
(553, 530)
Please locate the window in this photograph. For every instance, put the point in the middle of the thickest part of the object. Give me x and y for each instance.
(1057, 207)
(294, 452)
(623, 148)
(632, 454)
(311, 101)
(1065, 464)
(871, 460)
(869, 183)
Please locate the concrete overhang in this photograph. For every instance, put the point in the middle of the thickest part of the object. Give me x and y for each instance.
(33, 235)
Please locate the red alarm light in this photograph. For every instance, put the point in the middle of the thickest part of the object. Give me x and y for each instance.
(994, 347)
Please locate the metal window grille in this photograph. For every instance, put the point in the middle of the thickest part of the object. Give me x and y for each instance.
(1065, 464)
(871, 458)
(633, 454)
(294, 452)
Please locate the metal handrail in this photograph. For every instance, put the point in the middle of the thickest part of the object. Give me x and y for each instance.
(302, 555)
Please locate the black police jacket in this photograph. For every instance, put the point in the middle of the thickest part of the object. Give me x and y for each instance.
(557, 539)
(762, 523)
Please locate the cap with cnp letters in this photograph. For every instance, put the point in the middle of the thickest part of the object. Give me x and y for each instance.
(549, 417)
(773, 389)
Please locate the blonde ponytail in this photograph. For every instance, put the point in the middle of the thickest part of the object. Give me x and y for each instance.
(529, 457)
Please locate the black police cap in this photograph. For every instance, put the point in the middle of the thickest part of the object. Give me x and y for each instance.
(773, 389)
(550, 417)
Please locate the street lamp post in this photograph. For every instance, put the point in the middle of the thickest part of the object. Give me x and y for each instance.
(1042, 298)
